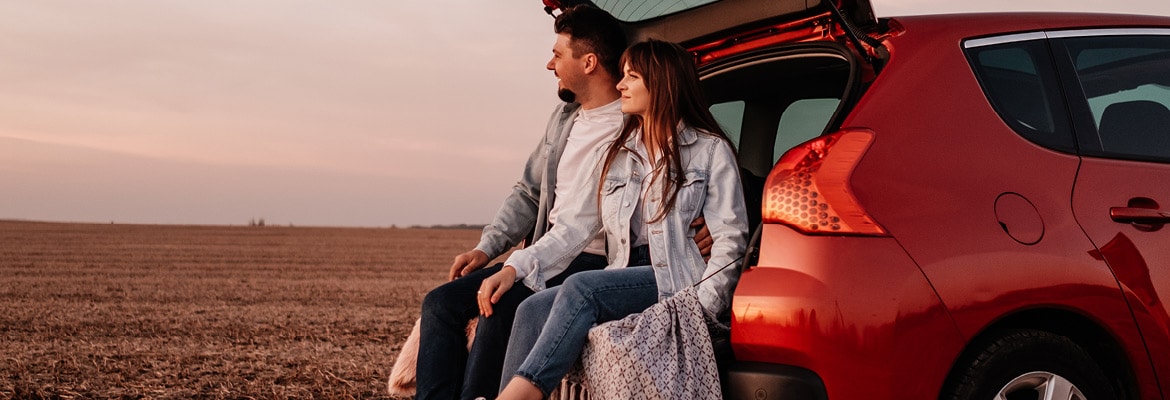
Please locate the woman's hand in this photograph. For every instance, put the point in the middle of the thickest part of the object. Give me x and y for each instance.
(494, 287)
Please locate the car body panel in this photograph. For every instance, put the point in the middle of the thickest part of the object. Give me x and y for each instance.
(939, 204)
(1139, 255)
(857, 311)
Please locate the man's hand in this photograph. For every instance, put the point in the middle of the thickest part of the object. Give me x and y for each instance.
(703, 237)
(467, 263)
(494, 287)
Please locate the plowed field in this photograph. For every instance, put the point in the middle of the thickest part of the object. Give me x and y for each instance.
(159, 311)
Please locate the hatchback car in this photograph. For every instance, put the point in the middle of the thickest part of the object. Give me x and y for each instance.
(951, 206)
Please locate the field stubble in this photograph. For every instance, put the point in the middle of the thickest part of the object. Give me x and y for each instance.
(158, 311)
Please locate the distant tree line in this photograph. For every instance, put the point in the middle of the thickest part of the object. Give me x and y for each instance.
(453, 226)
(260, 222)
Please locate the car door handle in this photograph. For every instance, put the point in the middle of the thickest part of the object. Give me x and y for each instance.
(1131, 215)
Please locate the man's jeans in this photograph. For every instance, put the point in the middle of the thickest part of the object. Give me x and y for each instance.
(446, 369)
(553, 325)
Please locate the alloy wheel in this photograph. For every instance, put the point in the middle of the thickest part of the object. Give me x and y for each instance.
(1040, 385)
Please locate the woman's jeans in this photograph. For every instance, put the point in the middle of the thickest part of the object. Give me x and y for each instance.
(551, 326)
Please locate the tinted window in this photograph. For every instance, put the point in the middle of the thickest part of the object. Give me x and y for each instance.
(1021, 84)
(803, 120)
(1126, 82)
(766, 103)
(729, 115)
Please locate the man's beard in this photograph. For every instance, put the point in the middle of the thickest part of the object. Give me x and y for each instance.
(566, 95)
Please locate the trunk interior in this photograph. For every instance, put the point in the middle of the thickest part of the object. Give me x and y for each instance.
(771, 100)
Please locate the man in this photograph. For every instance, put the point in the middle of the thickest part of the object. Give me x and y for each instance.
(585, 59)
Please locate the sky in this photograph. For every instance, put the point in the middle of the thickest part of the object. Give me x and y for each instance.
(343, 113)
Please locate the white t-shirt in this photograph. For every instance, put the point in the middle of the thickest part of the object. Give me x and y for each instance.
(590, 129)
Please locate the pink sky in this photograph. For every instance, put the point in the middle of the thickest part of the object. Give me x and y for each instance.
(355, 113)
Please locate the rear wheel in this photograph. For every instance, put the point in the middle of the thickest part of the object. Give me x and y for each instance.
(1027, 365)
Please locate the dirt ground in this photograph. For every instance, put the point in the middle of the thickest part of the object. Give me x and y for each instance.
(142, 311)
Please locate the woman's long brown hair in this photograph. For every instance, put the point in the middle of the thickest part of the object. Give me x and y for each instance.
(668, 71)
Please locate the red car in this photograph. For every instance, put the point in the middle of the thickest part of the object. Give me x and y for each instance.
(951, 206)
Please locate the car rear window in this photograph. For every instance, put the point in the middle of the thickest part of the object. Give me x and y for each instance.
(799, 122)
(1022, 86)
(767, 105)
(803, 120)
(770, 101)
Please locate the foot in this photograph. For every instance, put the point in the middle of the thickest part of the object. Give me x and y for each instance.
(520, 389)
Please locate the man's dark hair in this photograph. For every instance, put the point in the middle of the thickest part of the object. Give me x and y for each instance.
(593, 31)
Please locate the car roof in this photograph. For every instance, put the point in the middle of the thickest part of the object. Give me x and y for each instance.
(987, 24)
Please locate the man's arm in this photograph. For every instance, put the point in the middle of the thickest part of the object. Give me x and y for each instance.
(517, 216)
(515, 219)
(467, 263)
(703, 237)
(577, 224)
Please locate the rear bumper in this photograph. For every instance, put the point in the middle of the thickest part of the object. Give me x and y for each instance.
(763, 381)
(857, 311)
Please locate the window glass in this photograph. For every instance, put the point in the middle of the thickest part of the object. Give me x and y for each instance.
(729, 115)
(1151, 92)
(768, 106)
(1126, 81)
(801, 121)
(1021, 85)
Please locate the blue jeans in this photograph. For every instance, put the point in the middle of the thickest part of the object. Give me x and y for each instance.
(446, 369)
(552, 326)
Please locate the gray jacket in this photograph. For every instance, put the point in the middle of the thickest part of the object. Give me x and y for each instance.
(526, 210)
(712, 189)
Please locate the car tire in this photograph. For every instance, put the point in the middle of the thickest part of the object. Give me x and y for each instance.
(1027, 364)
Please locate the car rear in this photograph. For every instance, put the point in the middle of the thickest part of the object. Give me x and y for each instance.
(915, 181)
(959, 229)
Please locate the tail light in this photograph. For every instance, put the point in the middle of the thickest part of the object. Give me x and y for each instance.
(808, 188)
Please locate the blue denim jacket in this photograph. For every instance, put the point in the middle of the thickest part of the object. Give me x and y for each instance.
(712, 189)
(526, 210)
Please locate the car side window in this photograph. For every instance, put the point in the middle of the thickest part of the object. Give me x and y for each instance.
(763, 129)
(803, 120)
(770, 101)
(1126, 82)
(1022, 86)
(729, 115)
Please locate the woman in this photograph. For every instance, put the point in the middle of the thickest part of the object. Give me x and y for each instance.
(670, 164)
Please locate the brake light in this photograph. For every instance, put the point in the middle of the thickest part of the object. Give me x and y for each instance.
(808, 188)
